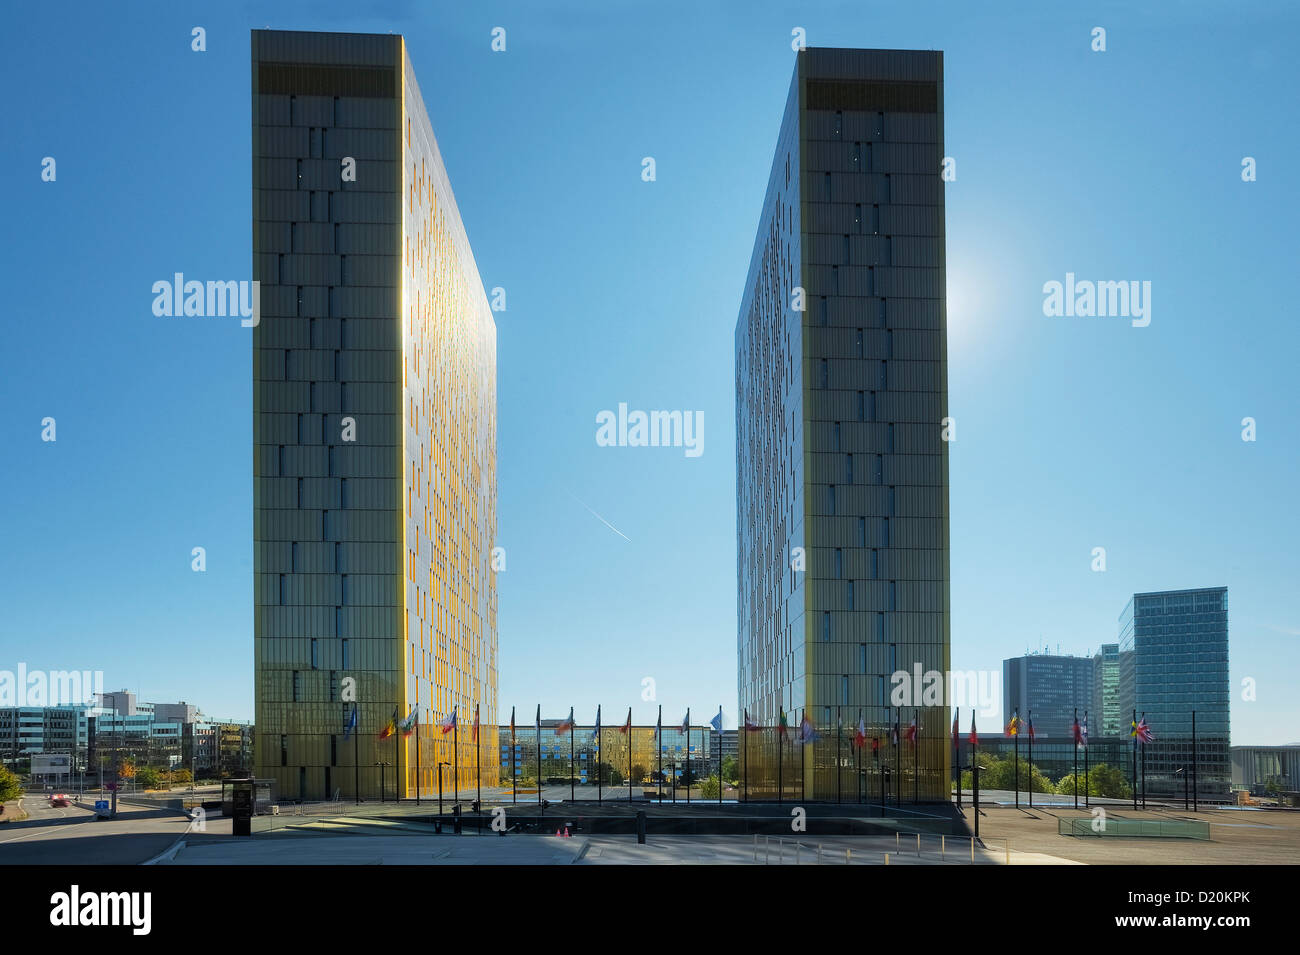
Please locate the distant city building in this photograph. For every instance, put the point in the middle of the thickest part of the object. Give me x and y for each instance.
(728, 742)
(1104, 717)
(1255, 768)
(842, 518)
(1054, 757)
(1049, 687)
(118, 729)
(1173, 660)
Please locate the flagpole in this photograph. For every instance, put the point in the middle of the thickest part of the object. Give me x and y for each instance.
(417, 755)
(659, 744)
(600, 772)
(572, 783)
(356, 752)
(1195, 806)
(839, 744)
(1144, 767)
(956, 751)
(860, 745)
(719, 754)
(1031, 759)
(780, 751)
(1087, 780)
(397, 760)
(1076, 757)
(803, 757)
(1015, 743)
(514, 780)
(478, 759)
(916, 759)
(898, 759)
(455, 757)
(688, 756)
(629, 754)
(537, 724)
(1135, 758)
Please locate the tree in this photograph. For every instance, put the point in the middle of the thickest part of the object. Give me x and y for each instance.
(638, 772)
(148, 778)
(731, 769)
(126, 768)
(710, 787)
(1100, 780)
(10, 787)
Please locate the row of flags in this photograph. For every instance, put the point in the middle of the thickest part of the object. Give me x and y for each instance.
(407, 726)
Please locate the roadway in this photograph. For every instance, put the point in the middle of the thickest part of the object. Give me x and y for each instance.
(74, 836)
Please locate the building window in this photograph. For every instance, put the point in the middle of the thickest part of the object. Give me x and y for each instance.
(862, 658)
(334, 686)
(848, 469)
(839, 563)
(862, 532)
(830, 499)
(338, 627)
(297, 686)
(835, 436)
(893, 595)
(875, 564)
(283, 601)
(315, 654)
(885, 534)
(334, 750)
(284, 750)
(347, 658)
(862, 406)
(858, 344)
(850, 593)
(844, 689)
(826, 625)
(823, 374)
(880, 628)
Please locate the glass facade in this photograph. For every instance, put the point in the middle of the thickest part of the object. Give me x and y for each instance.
(560, 756)
(1173, 660)
(841, 391)
(374, 420)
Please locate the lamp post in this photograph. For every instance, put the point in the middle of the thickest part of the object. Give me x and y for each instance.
(975, 788)
(440, 765)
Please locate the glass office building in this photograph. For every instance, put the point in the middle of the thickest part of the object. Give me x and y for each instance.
(841, 393)
(1104, 716)
(1050, 688)
(374, 423)
(1173, 649)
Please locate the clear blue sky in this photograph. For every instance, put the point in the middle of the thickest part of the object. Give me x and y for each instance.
(1072, 432)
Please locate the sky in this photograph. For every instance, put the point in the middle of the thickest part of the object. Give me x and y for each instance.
(1071, 433)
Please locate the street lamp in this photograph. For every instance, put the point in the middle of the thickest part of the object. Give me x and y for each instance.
(440, 765)
(975, 768)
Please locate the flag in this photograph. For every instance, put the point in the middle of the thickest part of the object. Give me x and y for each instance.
(750, 725)
(1142, 731)
(626, 728)
(448, 722)
(893, 738)
(974, 739)
(565, 725)
(912, 731)
(390, 727)
(716, 722)
(407, 726)
(1083, 733)
(1031, 729)
(956, 733)
(474, 737)
(1013, 728)
(537, 723)
(1078, 731)
(659, 725)
(782, 728)
(512, 721)
(860, 737)
(807, 732)
(875, 746)
(350, 726)
(686, 721)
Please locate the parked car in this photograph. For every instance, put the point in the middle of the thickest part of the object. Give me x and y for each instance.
(60, 799)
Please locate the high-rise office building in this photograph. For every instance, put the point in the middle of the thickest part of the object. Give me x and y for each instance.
(374, 429)
(1049, 688)
(841, 396)
(1173, 650)
(1104, 718)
